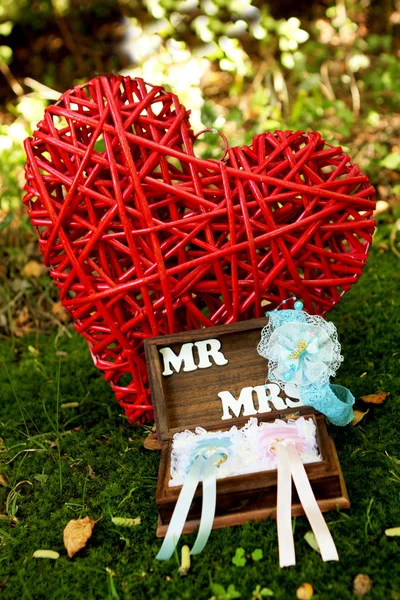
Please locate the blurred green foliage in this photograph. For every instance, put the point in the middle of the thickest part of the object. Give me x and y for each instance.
(242, 66)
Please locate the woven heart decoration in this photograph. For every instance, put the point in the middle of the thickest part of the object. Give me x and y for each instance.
(143, 238)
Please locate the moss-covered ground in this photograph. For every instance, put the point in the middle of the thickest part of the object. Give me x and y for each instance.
(89, 461)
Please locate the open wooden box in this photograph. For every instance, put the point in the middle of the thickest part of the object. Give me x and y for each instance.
(189, 398)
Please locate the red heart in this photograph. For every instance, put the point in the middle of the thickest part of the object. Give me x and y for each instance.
(143, 238)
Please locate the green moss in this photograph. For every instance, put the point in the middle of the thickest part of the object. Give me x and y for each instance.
(96, 434)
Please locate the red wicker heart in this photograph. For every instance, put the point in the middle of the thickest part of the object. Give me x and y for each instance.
(143, 238)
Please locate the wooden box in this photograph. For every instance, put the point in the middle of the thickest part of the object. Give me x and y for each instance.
(189, 397)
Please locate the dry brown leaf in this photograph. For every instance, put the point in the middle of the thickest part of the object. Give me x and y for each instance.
(33, 269)
(76, 534)
(151, 442)
(358, 416)
(23, 317)
(305, 591)
(3, 481)
(59, 312)
(378, 398)
(362, 584)
(382, 247)
(91, 473)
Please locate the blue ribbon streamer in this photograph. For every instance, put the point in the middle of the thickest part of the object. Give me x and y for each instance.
(208, 505)
(206, 470)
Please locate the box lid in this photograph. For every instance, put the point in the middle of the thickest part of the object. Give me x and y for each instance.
(213, 376)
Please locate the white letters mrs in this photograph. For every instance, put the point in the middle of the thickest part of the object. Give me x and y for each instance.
(245, 401)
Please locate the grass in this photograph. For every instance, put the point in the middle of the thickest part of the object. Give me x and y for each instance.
(62, 463)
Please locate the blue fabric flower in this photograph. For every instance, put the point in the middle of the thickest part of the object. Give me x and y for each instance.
(303, 352)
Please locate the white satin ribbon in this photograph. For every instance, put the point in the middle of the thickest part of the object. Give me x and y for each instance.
(287, 555)
(290, 465)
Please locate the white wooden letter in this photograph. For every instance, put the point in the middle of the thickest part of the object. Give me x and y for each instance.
(269, 396)
(293, 391)
(209, 348)
(245, 400)
(185, 356)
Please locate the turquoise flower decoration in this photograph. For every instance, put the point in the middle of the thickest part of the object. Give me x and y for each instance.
(301, 349)
(303, 352)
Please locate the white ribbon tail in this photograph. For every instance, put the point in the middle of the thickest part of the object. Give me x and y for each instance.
(321, 531)
(287, 555)
(181, 510)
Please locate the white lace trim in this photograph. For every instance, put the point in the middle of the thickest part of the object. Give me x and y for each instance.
(248, 451)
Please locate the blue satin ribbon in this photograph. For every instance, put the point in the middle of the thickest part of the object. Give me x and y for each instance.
(208, 505)
(334, 401)
(205, 469)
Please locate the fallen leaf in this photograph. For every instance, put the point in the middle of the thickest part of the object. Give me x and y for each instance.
(358, 416)
(383, 247)
(151, 442)
(23, 317)
(384, 191)
(311, 541)
(362, 584)
(381, 207)
(125, 522)
(392, 532)
(46, 554)
(305, 591)
(76, 534)
(3, 481)
(59, 312)
(33, 269)
(185, 561)
(91, 473)
(378, 398)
